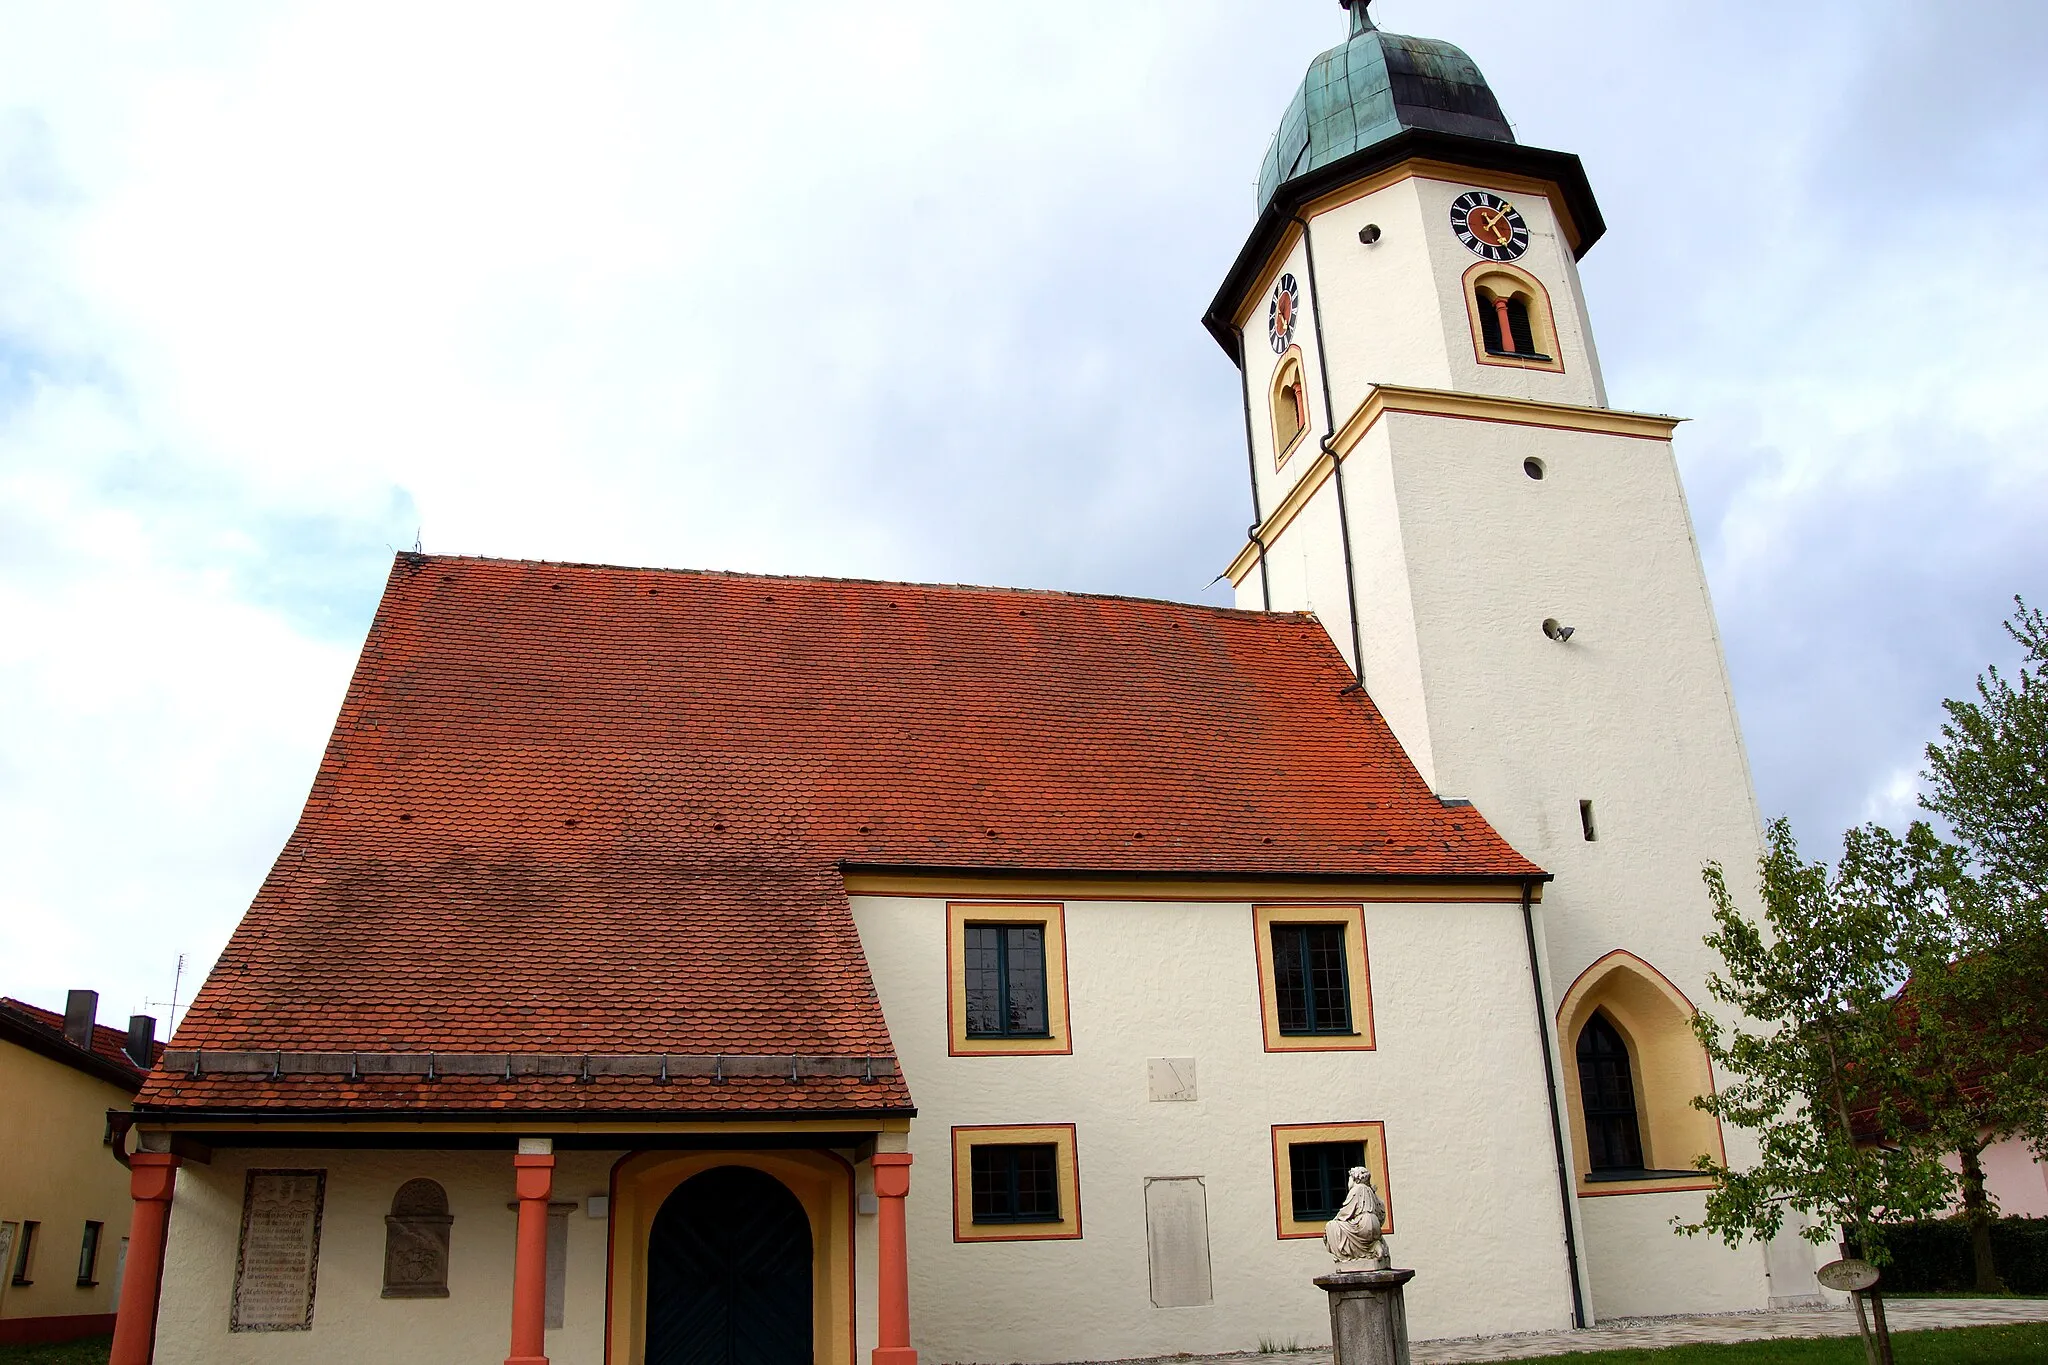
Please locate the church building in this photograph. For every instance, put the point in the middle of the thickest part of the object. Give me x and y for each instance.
(691, 968)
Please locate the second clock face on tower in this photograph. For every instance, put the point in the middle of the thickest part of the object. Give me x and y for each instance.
(1489, 226)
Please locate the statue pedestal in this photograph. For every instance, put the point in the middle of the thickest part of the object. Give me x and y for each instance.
(1368, 1323)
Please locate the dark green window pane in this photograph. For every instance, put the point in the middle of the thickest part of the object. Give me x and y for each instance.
(1005, 969)
(1014, 1182)
(1311, 978)
(1319, 1174)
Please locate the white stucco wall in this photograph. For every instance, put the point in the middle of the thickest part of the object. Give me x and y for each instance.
(351, 1321)
(1456, 1077)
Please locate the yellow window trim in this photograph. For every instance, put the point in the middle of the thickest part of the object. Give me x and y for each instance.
(1066, 1158)
(1289, 370)
(1542, 321)
(1372, 1133)
(1352, 917)
(959, 914)
(1667, 1067)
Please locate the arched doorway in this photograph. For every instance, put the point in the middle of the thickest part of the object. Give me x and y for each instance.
(729, 1273)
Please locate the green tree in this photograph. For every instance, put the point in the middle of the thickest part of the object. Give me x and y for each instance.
(1978, 1001)
(1812, 1043)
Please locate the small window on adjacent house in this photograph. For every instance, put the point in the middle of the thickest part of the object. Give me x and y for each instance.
(1319, 1176)
(1607, 1091)
(1311, 987)
(1006, 981)
(1586, 826)
(24, 1252)
(89, 1255)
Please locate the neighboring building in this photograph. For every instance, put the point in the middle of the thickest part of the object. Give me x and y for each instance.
(642, 928)
(64, 1201)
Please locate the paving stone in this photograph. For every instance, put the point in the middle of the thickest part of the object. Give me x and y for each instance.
(1904, 1315)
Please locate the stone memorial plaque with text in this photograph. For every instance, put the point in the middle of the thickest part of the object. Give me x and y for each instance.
(280, 1251)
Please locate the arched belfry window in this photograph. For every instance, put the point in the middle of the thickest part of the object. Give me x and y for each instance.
(1290, 406)
(1511, 318)
(1614, 1138)
(416, 1242)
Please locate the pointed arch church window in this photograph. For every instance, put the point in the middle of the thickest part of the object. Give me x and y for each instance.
(1607, 1090)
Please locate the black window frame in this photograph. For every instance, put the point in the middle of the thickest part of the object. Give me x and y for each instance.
(1607, 1097)
(29, 1228)
(1004, 982)
(996, 1183)
(89, 1253)
(1323, 1169)
(1309, 1013)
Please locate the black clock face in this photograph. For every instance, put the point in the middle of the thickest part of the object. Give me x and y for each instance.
(1489, 226)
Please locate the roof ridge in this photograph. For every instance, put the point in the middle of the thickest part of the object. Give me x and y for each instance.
(421, 558)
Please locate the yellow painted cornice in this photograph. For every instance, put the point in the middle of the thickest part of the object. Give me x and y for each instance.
(1467, 407)
(953, 887)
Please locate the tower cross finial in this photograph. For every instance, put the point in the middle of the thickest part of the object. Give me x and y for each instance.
(1361, 20)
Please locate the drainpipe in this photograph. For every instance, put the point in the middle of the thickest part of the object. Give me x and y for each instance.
(1252, 459)
(1564, 1180)
(1315, 308)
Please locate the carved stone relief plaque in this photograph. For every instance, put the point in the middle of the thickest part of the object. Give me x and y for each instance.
(416, 1242)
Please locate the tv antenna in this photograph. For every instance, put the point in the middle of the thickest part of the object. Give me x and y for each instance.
(177, 979)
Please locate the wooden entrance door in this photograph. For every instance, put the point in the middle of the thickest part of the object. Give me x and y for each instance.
(729, 1273)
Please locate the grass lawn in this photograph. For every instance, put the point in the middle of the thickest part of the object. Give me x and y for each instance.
(2021, 1344)
(90, 1351)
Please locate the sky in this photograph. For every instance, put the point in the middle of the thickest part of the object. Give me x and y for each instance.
(904, 290)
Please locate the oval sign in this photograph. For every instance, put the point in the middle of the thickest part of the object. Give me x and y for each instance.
(1847, 1276)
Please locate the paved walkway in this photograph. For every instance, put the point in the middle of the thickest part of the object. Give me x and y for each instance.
(1904, 1315)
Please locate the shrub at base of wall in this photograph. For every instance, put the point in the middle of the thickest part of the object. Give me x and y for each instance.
(1935, 1256)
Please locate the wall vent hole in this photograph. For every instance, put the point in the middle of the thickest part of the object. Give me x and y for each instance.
(1533, 467)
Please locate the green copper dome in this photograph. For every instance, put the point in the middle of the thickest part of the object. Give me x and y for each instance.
(1374, 86)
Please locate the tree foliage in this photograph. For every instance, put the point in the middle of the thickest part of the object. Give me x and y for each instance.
(1812, 1040)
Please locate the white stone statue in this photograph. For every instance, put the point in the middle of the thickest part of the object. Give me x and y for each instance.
(1353, 1236)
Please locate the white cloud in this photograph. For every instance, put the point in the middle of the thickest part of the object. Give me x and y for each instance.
(903, 291)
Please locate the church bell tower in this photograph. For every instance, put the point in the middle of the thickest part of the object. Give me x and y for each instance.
(1508, 564)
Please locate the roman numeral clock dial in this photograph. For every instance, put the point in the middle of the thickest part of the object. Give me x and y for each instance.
(1489, 226)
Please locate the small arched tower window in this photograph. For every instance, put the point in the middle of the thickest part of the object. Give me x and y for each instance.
(1511, 319)
(1290, 406)
(1614, 1135)
(416, 1242)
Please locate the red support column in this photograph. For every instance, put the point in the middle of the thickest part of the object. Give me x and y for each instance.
(535, 1171)
(151, 1178)
(892, 1275)
(1508, 343)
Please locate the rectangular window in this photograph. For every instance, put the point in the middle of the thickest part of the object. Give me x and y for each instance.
(1312, 1165)
(21, 1256)
(1319, 1175)
(1311, 988)
(1006, 981)
(1015, 1182)
(89, 1255)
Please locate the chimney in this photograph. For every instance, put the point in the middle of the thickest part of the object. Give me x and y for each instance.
(81, 1012)
(141, 1039)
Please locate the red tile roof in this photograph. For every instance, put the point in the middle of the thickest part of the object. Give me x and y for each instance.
(580, 808)
(108, 1044)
